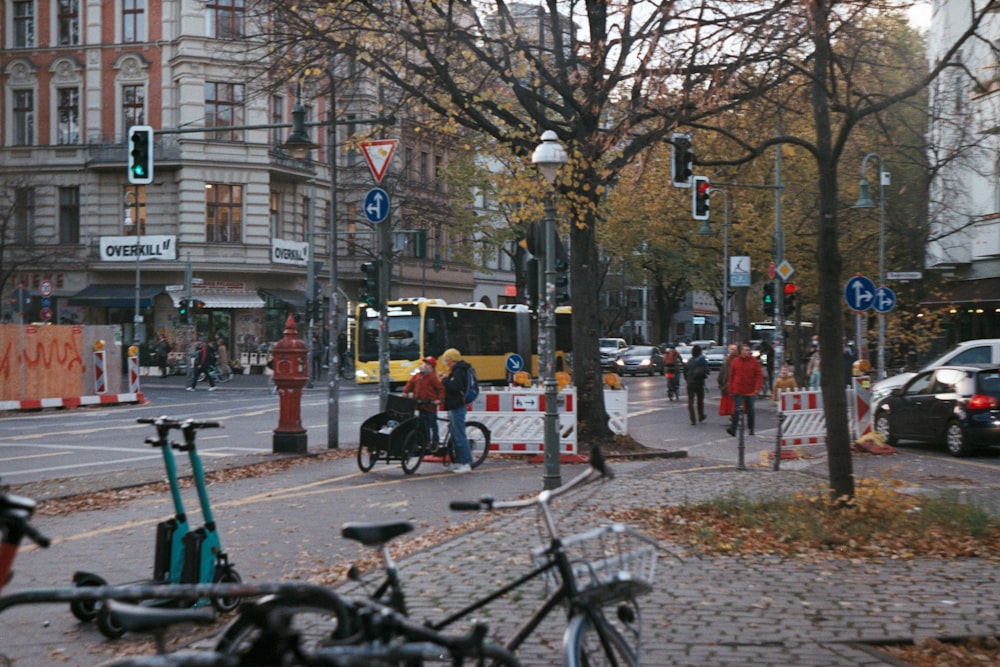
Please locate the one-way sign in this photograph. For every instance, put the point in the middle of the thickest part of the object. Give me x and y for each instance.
(859, 293)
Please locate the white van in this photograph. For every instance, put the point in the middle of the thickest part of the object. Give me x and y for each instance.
(979, 351)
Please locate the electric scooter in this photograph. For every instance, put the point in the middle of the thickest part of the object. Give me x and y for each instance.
(182, 555)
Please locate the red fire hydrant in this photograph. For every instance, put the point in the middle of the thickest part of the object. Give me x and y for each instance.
(290, 375)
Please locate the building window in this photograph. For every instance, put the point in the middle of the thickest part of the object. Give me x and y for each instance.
(425, 178)
(275, 214)
(277, 116)
(24, 117)
(439, 183)
(134, 198)
(69, 22)
(224, 213)
(68, 130)
(69, 215)
(224, 108)
(134, 105)
(24, 215)
(24, 24)
(225, 18)
(133, 20)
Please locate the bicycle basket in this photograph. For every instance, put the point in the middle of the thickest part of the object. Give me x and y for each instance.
(610, 563)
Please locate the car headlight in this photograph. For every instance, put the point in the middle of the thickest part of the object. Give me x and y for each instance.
(620, 361)
(644, 362)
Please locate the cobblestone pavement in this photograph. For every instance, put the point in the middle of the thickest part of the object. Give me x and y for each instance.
(704, 611)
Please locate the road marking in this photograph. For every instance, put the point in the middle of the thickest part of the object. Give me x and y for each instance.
(34, 456)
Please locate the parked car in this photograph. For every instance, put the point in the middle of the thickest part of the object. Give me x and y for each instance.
(611, 349)
(979, 351)
(646, 359)
(715, 356)
(955, 405)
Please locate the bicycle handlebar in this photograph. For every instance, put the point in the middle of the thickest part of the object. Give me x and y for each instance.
(598, 470)
(15, 512)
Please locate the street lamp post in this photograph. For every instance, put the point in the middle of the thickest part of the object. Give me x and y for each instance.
(705, 231)
(128, 222)
(550, 156)
(865, 201)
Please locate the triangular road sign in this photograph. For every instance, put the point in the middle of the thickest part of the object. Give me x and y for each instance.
(377, 154)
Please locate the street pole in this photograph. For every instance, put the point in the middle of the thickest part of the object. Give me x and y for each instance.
(550, 156)
(725, 262)
(333, 375)
(310, 279)
(864, 201)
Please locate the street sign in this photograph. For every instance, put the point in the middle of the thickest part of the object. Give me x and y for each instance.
(377, 155)
(904, 275)
(46, 288)
(174, 288)
(785, 270)
(885, 300)
(46, 314)
(859, 292)
(739, 271)
(514, 363)
(376, 205)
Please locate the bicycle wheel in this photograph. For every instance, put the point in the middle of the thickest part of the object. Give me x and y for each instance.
(366, 458)
(413, 451)
(479, 442)
(591, 641)
(227, 575)
(316, 619)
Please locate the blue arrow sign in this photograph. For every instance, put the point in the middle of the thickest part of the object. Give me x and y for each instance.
(376, 205)
(885, 300)
(514, 363)
(859, 293)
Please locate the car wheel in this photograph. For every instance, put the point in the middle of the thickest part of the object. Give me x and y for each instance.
(882, 426)
(955, 439)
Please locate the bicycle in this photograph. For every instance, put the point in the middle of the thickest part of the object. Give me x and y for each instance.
(221, 373)
(584, 573)
(475, 432)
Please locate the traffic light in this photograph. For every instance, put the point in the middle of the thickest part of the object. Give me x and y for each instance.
(769, 298)
(182, 308)
(699, 197)
(790, 298)
(370, 271)
(681, 159)
(140, 155)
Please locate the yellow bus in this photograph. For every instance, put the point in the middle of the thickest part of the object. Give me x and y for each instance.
(421, 327)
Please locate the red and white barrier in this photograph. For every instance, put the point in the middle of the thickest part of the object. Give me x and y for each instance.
(71, 401)
(805, 422)
(100, 374)
(133, 370)
(515, 417)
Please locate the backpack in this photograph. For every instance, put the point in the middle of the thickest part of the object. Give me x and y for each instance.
(699, 371)
(472, 390)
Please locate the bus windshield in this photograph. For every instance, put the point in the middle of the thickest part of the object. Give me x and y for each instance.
(404, 333)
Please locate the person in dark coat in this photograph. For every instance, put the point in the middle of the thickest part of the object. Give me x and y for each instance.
(204, 360)
(695, 373)
(456, 383)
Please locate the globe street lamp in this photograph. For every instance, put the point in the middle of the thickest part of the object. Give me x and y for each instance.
(865, 201)
(550, 156)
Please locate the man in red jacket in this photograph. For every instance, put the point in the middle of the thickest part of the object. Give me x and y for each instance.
(745, 380)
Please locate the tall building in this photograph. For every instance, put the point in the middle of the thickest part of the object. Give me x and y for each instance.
(965, 191)
(230, 218)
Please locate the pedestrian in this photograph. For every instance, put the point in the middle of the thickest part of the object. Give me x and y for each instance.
(204, 359)
(426, 387)
(725, 401)
(745, 380)
(672, 366)
(695, 374)
(456, 383)
(317, 356)
(221, 355)
(767, 358)
(849, 359)
(785, 382)
(812, 369)
(163, 354)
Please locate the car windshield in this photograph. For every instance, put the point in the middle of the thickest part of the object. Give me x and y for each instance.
(640, 351)
(608, 342)
(717, 351)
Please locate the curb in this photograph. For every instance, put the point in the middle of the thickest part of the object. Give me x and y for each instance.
(72, 401)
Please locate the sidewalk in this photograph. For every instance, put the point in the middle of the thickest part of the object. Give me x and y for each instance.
(703, 612)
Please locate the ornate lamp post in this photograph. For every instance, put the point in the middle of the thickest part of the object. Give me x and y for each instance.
(550, 156)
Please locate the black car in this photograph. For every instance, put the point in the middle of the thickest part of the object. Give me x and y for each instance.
(956, 405)
(645, 359)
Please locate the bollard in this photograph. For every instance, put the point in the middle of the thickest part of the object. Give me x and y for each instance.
(100, 376)
(290, 376)
(133, 370)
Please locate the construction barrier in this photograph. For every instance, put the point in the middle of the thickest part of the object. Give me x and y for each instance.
(133, 370)
(616, 405)
(100, 374)
(804, 423)
(515, 417)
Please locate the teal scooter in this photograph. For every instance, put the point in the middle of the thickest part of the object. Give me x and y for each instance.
(182, 555)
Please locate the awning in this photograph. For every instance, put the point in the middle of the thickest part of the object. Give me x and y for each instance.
(984, 290)
(115, 296)
(293, 298)
(221, 299)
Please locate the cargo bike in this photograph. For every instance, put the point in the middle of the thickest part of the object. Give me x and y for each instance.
(397, 435)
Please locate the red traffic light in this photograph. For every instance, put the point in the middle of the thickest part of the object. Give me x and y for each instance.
(790, 288)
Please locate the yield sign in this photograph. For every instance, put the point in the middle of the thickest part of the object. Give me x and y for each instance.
(377, 154)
